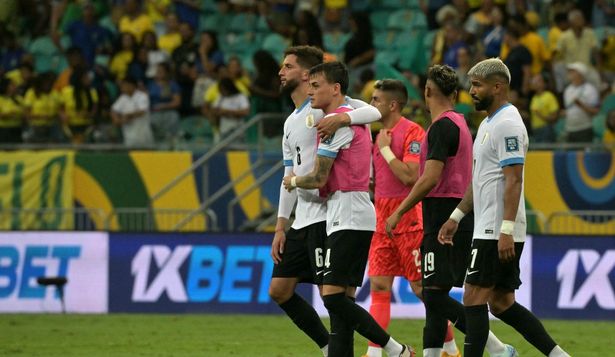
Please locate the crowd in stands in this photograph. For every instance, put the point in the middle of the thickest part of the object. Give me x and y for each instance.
(145, 72)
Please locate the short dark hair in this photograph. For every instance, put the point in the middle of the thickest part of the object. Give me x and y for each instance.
(394, 87)
(307, 56)
(334, 72)
(444, 77)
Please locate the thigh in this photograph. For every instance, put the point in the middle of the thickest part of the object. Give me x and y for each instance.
(346, 257)
(486, 269)
(295, 261)
(408, 247)
(444, 265)
(383, 258)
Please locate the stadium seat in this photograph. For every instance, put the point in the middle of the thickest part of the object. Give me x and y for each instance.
(214, 22)
(400, 20)
(603, 32)
(276, 44)
(419, 21)
(385, 70)
(108, 24)
(335, 41)
(544, 33)
(379, 20)
(400, 4)
(390, 57)
(47, 56)
(242, 22)
(196, 129)
(599, 126)
(384, 40)
(608, 104)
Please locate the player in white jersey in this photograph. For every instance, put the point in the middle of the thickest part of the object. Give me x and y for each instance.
(341, 172)
(298, 254)
(496, 195)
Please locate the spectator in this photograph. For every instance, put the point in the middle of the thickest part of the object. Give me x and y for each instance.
(480, 20)
(11, 53)
(238, 74)
(137, 68)
(80, 105)
(22, 77)
(453, 44)
(265, 88)
(209, 54)
(518, 61)
(171, 39)
(577, 44)
(42, 108)
(307, 30)
(581, 102)
(359, 50)
(494, 36)
(230, 108)
(75, 60)
(155, 56)
(447, 17)
(560, 24)
(532, 42)
(464, 63)
(544, 109)
(123, 55)
(185, 59)
(165, 100)
(87, 35)
(11, 112)
(188, 11)
(131, 112)
(135, 21)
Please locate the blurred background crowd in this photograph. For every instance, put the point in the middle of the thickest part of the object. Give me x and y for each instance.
(159, 72)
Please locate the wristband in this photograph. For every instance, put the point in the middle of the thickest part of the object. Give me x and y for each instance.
(293, 181)
(507, 227)
(457, 215)
(387, 154)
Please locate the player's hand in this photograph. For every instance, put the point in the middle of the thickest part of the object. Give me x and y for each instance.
(391, 223)
(286, 182)
(384, 139)
(447, 231)
(506, 248)
(277, 246)
(329, 125)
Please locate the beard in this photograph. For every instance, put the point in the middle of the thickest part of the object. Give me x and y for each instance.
(483, 103)
(289, 87)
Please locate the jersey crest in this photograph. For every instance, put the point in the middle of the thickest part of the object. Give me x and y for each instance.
(309, 120)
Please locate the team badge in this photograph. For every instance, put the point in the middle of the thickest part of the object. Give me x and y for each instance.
(309, 120)
(329, 140)
(415, 147)
(512, 143)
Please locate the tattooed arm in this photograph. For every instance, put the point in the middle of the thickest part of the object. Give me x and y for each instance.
(316, 179)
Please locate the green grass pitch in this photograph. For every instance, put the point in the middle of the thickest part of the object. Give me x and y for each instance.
(236, 335)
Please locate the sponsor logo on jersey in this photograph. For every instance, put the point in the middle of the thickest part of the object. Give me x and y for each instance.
(415, 147)
(512, 143)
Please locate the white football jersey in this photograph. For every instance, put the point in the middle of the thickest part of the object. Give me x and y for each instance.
(501, 140)
(347, 210)
(299, 151)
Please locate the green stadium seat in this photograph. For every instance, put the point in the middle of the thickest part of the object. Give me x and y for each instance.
(401, 20)
(390, 57)
(543, 32)
(379, 20)
(196, 128)
(599, 126)
(108, 23)
(385, 70)
(603, 32)
(276, 44)
(335, 41)
(384, 40)
(242, 22)
(214, 22)
(608, 104)
(47, 56)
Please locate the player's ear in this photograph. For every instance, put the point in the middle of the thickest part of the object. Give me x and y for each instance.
(337, 88)
(305, 75)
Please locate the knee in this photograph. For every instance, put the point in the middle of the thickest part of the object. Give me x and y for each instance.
(333, 302)
(500, 303)
(379, 286)
(279, 293)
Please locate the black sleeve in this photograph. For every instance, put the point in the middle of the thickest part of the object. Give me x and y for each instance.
(443, 140)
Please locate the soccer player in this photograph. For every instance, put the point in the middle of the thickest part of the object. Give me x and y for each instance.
(341, 172)
(297, 255)
(445, 173)
(396, 166)
(496, 195)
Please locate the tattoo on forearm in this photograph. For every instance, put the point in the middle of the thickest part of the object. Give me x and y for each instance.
(319, 175)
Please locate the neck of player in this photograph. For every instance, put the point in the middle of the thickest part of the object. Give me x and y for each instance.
(335, 103)
(437, 108)
(497, 104)
(391, 120)
(300, 94)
